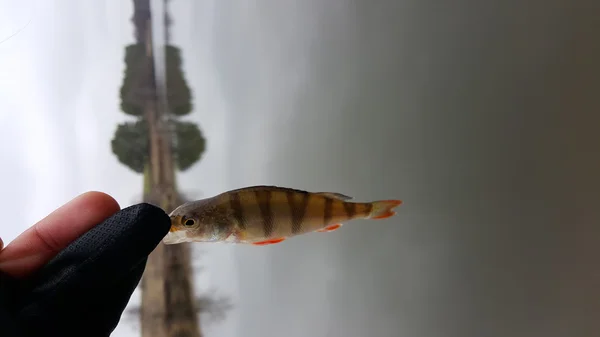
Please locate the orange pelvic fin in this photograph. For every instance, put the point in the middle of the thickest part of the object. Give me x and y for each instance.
(330, 228)
(384, 209)
(268, 242)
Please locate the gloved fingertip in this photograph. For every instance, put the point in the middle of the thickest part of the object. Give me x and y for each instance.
(146, 220)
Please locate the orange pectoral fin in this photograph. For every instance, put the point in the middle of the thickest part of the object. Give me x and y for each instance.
(330, 228)
(268, 242)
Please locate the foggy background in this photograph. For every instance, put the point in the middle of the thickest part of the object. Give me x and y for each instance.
(481, 116)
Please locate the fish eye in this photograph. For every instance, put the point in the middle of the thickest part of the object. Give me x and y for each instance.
(189, 222)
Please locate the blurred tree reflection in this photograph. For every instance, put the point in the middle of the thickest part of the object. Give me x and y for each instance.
(156, 143)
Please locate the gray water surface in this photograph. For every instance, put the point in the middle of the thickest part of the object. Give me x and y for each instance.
(482, 116)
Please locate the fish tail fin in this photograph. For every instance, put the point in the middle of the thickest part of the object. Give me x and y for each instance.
(383, 209)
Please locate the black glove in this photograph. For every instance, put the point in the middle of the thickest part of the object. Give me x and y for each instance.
(85, 288)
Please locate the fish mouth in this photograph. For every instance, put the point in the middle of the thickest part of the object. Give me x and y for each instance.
(174, 237)
(174, 220)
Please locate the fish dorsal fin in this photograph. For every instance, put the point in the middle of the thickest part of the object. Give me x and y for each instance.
(266, 188)
(335, 195)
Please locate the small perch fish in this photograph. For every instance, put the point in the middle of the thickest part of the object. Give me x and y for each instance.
(263, 215)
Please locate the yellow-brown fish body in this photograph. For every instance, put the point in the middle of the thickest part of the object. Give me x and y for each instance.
(263, 215)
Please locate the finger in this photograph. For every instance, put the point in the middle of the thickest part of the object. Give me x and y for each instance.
(41, 242)
(1, 244)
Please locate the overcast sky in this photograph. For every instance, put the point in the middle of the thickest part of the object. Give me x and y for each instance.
(59, 106)
(59, 102)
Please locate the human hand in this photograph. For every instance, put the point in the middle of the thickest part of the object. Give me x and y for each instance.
(73, 272)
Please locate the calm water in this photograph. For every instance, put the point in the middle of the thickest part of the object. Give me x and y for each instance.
(482, 117)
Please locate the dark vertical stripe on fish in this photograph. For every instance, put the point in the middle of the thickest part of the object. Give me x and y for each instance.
(263, 198)
(238, 211)
(368, 208)
(327, 211)
(298, 209)
(350, 209)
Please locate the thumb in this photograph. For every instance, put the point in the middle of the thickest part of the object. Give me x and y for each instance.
(41, 242)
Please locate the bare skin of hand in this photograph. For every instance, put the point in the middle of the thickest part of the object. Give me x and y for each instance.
(41, 242)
